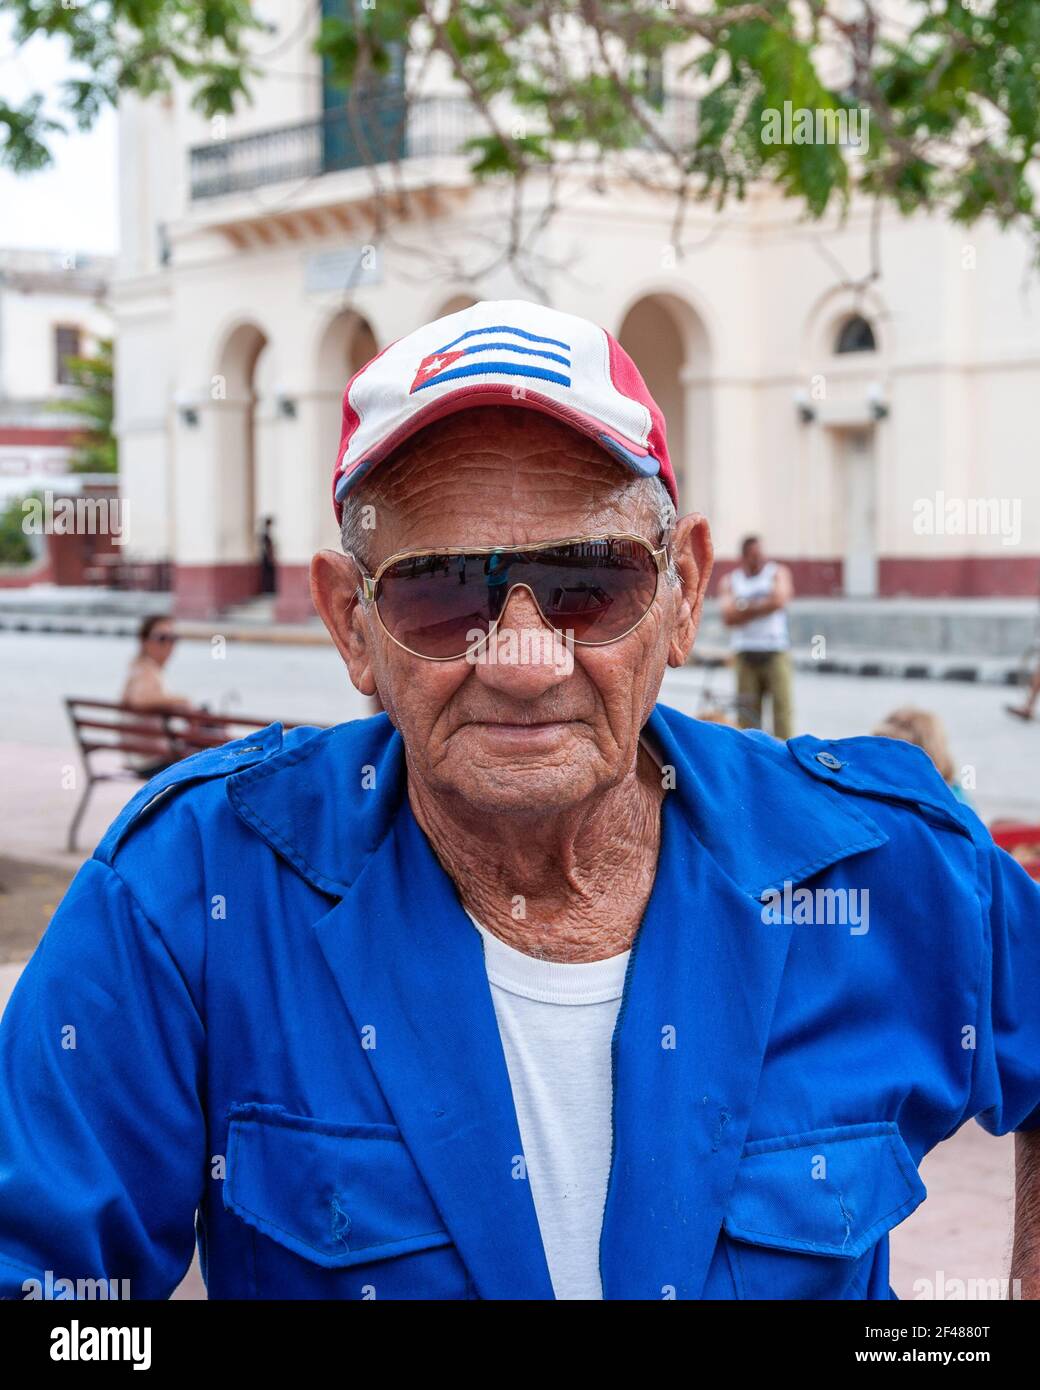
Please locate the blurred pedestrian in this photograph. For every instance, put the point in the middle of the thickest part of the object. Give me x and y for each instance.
(925, 729)
(268, 559)
(754, 598)
(1025, 710)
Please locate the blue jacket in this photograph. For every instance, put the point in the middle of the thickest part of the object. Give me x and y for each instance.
(262, 1001)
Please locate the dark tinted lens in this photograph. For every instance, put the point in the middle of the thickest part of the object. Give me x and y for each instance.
(433, 604)
(439, 605)
(596, 590)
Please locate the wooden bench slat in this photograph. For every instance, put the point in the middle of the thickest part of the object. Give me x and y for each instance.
(157, 749)
(158, 737)
(127, 726)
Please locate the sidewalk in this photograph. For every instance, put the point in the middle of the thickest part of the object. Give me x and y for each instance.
(44, 784)
(111, 613)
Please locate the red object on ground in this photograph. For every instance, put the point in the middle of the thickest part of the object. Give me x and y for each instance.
(1020, 841)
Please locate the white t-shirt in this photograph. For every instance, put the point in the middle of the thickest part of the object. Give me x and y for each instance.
(769, 632)
(557, 1021)
(557, 1024)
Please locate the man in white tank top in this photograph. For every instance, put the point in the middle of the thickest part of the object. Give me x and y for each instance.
(754, 598)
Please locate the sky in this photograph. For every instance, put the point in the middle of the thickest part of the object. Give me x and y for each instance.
(71, 206)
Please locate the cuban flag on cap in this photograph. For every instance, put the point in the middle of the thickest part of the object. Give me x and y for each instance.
(501, 349)
(508, 352)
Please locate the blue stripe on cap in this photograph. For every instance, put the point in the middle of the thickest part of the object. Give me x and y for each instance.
(504, 368)
(505, 328)
(515, 347)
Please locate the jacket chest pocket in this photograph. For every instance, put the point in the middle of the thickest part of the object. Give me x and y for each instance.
(340, 1210)
(807, 1211)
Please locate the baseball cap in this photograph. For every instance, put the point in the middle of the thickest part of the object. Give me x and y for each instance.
(502, 352)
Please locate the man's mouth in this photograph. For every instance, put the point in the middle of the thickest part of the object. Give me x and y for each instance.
(528, 734)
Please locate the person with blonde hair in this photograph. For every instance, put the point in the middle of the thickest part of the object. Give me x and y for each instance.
(924, 729)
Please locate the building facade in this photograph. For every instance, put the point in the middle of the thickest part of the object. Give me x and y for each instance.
(52, 306)
(878, 432)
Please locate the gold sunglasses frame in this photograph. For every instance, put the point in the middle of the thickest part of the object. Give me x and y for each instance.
(368, 590)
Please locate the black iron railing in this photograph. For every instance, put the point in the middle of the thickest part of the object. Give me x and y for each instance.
(380, 129)
(377, 129)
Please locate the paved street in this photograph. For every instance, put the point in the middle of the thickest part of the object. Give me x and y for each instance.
(961, 1232)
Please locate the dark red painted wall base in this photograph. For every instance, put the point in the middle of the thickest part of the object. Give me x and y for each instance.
(812, 578)
(38, 573)
(962, 576)
(201, 591)
(293, 602)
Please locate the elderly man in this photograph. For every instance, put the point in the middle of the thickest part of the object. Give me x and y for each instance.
(530, 987)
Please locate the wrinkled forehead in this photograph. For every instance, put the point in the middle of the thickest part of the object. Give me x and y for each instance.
(500, 475)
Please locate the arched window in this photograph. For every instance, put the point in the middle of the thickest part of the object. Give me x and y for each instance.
(855, 335)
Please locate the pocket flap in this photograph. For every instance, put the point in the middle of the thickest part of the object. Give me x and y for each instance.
(829, 1192)
(337, 1194)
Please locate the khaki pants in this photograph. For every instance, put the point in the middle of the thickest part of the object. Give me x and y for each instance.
(761, 674)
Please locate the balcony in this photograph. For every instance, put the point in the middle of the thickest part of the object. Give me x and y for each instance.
(384, 128)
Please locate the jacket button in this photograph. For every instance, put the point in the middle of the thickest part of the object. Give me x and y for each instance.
(829, 760)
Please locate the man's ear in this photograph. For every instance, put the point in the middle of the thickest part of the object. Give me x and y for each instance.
(335, 586)
(694, 556)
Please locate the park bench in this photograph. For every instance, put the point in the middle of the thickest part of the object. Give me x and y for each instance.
(103, 728)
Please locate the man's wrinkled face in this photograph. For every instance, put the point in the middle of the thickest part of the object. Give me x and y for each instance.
(527, 724)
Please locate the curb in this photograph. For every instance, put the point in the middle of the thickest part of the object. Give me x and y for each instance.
(889, 666)
(189, 631)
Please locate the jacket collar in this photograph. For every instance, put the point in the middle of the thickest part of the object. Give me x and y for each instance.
(326, 801)
(748, 802)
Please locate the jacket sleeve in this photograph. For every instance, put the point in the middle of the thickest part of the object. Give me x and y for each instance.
(1006, 1079)
(102, 1132)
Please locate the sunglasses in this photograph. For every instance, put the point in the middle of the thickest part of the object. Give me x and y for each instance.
(444, 604)
(166, 638)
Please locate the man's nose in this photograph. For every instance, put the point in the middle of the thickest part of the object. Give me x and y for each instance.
(524, 657)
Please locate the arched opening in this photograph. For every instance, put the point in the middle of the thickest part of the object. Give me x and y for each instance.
(853, 450)
(668, 342)
(855, 335)
(242, 495)
(346, 344)
(454, 305)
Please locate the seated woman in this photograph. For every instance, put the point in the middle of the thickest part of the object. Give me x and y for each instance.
(146, 694)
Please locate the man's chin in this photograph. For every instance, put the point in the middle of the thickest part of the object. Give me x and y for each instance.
(516, 783)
